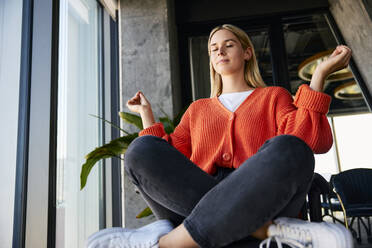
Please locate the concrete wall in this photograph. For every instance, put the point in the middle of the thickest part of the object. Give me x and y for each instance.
(148, 63)
(356, 28)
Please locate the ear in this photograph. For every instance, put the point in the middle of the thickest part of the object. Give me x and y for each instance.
(248, 53)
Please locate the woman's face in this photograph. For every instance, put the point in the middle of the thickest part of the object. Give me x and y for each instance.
(227, 54)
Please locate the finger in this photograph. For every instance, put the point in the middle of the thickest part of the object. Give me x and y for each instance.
(335, 52)
(348, 48)
(348, 59)
(142, 96)
(347, 56)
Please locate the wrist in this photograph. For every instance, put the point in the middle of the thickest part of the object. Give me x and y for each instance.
(321, 72)
(145, 110)
(318, 79)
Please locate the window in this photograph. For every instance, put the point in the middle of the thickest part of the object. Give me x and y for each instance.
(79, 95)
(62, 60)
(10, 56)
(308, 40)
(353, 135)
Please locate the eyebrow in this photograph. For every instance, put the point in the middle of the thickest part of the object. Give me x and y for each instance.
(224, 41)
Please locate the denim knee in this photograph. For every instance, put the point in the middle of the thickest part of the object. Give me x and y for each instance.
(299, 155)
(139, 150)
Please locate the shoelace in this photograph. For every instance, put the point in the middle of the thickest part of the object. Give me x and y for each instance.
(292, 236)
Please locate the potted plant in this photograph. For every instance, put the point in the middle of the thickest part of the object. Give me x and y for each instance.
(118, 147)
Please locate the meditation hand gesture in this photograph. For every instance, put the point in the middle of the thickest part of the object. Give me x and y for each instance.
(338, 60)
(138, 103)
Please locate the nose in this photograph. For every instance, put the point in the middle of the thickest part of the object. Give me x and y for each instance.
(220, 51)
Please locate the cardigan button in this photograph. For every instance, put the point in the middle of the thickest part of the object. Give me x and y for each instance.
(226, 156)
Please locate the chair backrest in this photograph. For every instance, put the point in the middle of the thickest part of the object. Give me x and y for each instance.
(354, 186)
(320, 183)
(319, 186)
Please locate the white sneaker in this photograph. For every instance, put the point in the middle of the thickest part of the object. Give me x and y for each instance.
(145, 237)
(297, 233)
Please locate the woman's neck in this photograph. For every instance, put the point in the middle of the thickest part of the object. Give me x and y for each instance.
(234, 83)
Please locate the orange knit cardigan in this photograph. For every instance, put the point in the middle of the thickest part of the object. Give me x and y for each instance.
(209, 134)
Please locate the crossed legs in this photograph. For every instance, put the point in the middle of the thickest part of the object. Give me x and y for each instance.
(215, 212)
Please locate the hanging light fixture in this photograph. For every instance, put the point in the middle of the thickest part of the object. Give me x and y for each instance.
(347, 90)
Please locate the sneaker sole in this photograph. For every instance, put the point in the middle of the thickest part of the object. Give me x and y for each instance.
(339, 234)
(343, 234)
(100, 234)
(109, 233)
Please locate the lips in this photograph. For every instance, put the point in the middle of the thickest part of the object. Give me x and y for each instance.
(223, 61)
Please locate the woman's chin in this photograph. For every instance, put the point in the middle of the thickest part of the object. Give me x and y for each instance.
(225, 72)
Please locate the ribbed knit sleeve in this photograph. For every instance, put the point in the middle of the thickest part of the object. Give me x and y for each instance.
(180, 138)
(305, 117)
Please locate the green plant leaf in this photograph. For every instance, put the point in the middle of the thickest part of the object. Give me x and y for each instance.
(109, 122)
(131, 119)
(146, 212)
(113, 149)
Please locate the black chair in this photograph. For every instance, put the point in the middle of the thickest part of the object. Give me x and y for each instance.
(354, 190)
(331, 204)
(321, 200)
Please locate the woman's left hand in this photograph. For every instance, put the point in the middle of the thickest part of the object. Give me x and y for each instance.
(338, 60)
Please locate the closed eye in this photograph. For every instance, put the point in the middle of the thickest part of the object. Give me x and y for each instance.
(215, 49)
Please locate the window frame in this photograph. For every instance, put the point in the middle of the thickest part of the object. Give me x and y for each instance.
(35, 184)
(278, 57)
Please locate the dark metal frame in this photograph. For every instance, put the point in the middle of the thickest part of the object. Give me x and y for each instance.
(358, 78)
(24, 118)
(20, 198)
(115, 103)
(52, 195)
(101, 111)
(277, 46)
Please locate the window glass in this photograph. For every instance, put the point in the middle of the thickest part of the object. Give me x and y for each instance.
(10, 60)
(78, 212)
(308, 41)
(353, 135)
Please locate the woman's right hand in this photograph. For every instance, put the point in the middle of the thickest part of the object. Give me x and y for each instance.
(138, 103)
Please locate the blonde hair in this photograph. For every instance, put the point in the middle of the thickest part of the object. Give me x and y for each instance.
(252, 74)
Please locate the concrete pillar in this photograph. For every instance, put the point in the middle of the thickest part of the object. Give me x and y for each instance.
(149, 63)
(355, 25)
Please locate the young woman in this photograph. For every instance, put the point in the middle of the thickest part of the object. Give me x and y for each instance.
(237, 168)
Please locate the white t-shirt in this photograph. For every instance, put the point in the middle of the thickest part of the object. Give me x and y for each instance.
(232, 100)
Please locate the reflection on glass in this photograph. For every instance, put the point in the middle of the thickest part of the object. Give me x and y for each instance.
(308, 41)
(199, 61)
(78, 133)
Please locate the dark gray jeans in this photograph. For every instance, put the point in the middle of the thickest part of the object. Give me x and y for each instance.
(223, 209)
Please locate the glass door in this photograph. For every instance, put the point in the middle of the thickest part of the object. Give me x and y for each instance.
(78, 212)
